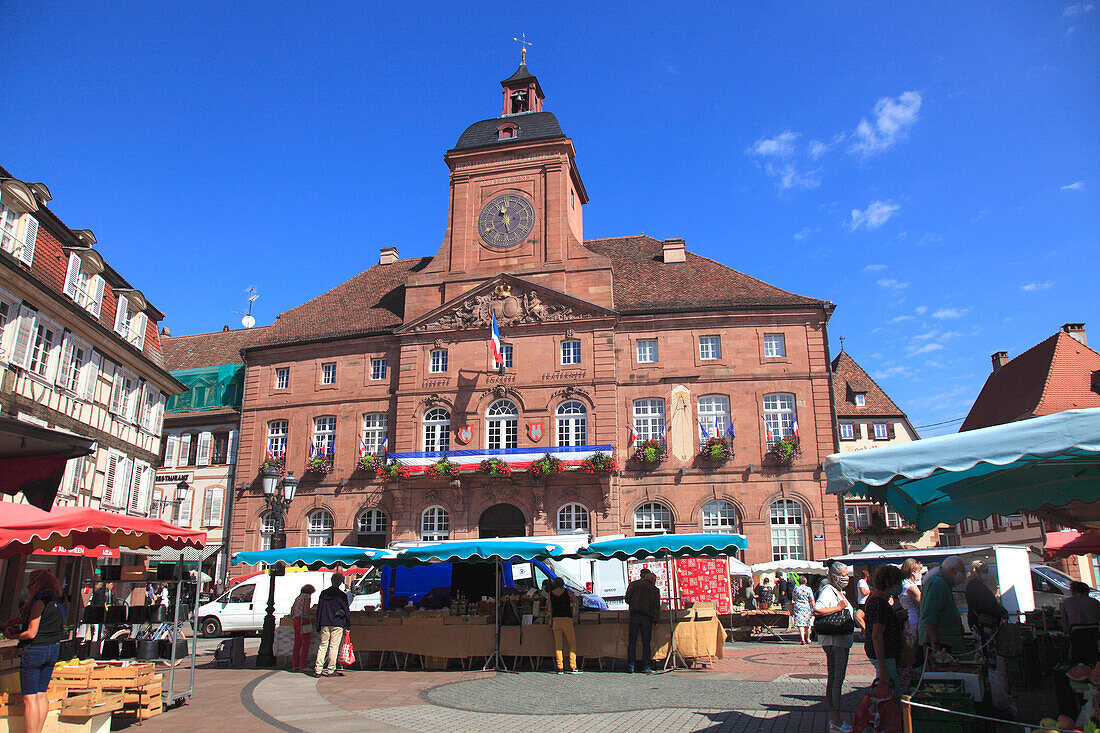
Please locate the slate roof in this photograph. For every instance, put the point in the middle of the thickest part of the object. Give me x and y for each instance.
(532, 126)
(209, 349)
(1052, 376)
(373, 301)
(850, 378)
(520, 74)
(643, 283)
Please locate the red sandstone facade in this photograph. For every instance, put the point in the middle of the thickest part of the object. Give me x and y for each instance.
(741, 345)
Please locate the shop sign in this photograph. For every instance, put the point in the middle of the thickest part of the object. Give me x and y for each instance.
(172, 478)
(80, 552)
(819, 538)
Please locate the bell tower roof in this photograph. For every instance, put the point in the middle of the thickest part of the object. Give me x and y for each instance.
(522, 92)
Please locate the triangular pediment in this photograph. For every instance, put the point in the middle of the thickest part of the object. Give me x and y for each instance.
(513, 300)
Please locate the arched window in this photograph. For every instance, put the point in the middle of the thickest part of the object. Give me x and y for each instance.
(502, 420)
(652, 518)
(437, 430)
(780, 415)
(319, 529)
(572, 423)
(370, 528)
(649, 418)
(435, 524)
(720, 516)
(788, 533)
(714, 416)
(573, 518)
(270, 527)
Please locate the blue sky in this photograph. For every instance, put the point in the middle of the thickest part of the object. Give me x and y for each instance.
(932, 168)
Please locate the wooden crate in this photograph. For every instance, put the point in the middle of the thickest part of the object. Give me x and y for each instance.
(143, 694)
(91, 703)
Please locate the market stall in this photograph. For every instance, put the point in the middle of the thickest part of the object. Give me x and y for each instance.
(1047, 466)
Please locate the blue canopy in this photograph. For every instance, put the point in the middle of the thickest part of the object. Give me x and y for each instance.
(475, 551)
(1036, 465)
(334, 556)
(664, 545)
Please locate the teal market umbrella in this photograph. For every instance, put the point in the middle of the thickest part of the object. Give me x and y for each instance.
(316, 557)
(1044, 465)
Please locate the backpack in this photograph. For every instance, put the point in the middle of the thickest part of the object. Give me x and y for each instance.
(879, 712)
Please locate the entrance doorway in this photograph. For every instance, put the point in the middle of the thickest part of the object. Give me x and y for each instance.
(502, 520)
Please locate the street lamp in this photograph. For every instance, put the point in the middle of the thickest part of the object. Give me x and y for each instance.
(183, 493)
(276, 504)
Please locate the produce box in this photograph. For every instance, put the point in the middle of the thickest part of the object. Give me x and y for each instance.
(9, 681)
(614, 617)
(422, 621)
(945, 694)
(91, 703)
(588, 618)
(108, 675)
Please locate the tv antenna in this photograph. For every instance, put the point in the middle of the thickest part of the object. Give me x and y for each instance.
(248, 321)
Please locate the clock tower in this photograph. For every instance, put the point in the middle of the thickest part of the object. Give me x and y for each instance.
(516, 201)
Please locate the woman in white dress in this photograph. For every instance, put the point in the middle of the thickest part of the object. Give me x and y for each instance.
(803, 608)
(910, 596)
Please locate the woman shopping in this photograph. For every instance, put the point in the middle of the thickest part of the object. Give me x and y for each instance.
(910, 596)
(803, 609)
(40, 639)
(884, 638)
(303, 628)
(559, 604)
(833, 622)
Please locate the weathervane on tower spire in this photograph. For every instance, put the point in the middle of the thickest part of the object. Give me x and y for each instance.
(523, 44)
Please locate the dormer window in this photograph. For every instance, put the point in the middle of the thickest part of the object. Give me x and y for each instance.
(861, 399)
(507, 131)
(130, 323)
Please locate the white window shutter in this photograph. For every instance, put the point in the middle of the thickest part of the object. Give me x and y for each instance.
(30, 238)
(24, 336)
(185, 512)
(207, 506)
(202, 454)
(122, 316)
(122, 484)
(90, 377)
(142, 406)
(97, 296)
(72, 275)
(231, 450)
(66, 359)
(171, 442)
(216, 506)
(109, 478)
(135, 487)
(118, 399)
(185, 450)
(142, 324)
(147, 489)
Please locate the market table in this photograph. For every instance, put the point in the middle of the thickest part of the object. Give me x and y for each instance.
(765, 619)
(694, 639)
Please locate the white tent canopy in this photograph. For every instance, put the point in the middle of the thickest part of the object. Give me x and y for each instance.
(790, 566)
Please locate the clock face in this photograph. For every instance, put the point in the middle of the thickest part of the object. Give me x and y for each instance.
(506, 220)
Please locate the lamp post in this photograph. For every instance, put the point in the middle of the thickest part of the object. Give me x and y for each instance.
(183, 493)
(277, 504)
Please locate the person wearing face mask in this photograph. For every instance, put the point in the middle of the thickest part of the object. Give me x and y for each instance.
(830, 600)
(940, 624)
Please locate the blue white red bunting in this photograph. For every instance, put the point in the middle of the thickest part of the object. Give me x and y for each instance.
(516, 458)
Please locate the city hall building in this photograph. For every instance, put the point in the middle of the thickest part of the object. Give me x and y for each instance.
(606, 343)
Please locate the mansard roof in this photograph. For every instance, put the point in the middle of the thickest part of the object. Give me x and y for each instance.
(529, 126)
(373, 302)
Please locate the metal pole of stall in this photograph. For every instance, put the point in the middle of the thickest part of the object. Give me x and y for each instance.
(495, 658)
(175, 630)
(673, 655)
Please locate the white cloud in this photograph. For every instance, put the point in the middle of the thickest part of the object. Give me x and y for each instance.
(874, 268)
(895, 371)
(900, 319)
(789, 176)
(949, 335)
(892, 119)
(913, 350)
(806, 232)
(1075, 186)
(951, 313)
(921, 309)
(1033, 286)
(891, 284)
(926, 335)
(1075, 10)
(782, 145)
(877, 355)
(875, 215)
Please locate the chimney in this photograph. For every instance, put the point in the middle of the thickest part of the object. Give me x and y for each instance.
(999, 360)
(388, 256)
(225, 328)
(164, 331)
(1077, 331)
(674, 251)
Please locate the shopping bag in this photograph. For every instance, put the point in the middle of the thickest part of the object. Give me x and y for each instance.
(879, 712)
(347, 652)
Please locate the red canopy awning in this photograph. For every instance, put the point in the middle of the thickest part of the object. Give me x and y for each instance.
(1069, 542)
(24, 528)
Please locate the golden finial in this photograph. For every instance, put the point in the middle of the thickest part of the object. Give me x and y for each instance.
(523, 44)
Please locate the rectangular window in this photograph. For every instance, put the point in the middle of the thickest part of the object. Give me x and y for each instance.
(276, 438)
(881, 433)
(219, 449)
(649, 419)
(374, 431)
(83, 285)
(438, 361)
(40, 353)
(506, 354)
(378, 368)
(714, 417)
(324, 435)
(779, 414)
(857, 517)
(647, 351)
(893, 519)
(710, 347)
(18, 233)
(861, 399)
(130, 324)
(846, 432)
(328, 373)
(571, 352)
(775, 345)
(282, 378)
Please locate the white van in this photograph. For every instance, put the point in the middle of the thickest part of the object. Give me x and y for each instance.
(244, 605)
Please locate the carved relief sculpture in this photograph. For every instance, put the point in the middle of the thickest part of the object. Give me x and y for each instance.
(510, 310)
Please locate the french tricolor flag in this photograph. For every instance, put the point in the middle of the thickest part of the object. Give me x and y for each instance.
(362, 446)
(794, 429)
(768, 434)
(385, 443)
(633, 435)
(494, 343)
